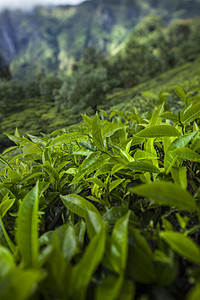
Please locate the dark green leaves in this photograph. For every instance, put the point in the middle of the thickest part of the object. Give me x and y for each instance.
(78, 205)
(140, 259)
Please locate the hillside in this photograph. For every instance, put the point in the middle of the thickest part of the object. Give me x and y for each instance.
(108, 209)
(49, 40)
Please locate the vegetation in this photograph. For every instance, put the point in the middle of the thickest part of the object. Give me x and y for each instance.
(99, 184)
(98, 81)
(106, 209)
(49, 40)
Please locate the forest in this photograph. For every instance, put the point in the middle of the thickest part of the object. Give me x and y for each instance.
(99, 165)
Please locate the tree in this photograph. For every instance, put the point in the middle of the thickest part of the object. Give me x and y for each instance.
(85, 89)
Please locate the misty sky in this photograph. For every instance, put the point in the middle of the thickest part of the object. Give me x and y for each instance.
(28, 4)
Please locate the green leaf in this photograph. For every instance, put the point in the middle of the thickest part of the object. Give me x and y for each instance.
(83, 271)
(96, 133)
(115, 183)
(158, 131)
(6, 262)
(5, 162)
(127, 291)
(96, 181)
(51, 171)
(117, 248)
(78, 205)
(27, 229)
(31, 148)
(166, 267)
(94, 223)
(166, 193)
(66, 138)
(94, 167)
(113, 214)
(13, 176)
(108, 129)
(23, 284)
(5, 205)
(194, 293)
(180, 176)
(67, 240)
(141, 154)
(87, 119)
(155, 119)
(186, 153)
(31, 176)
(181, 141)
(120, 241)
(170, 116)
(5, 239)
(183, 245)
(90, 160)
(140, 166)
(191, 113)
(180, 92)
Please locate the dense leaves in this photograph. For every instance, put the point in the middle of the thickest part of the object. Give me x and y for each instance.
(108, 208)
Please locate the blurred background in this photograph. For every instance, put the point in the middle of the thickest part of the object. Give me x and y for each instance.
(59, 59)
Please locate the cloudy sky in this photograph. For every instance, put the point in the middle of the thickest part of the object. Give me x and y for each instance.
(28, 4)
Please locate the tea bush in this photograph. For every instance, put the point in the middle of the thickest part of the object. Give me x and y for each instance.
(107, 209)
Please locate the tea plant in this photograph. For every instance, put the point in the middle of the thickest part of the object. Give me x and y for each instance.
(108, 209)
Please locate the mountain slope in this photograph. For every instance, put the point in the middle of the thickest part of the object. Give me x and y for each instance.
(49, 40)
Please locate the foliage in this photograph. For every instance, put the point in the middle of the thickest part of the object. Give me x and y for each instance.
(106, 209)
(85, 88)
(153, 48)
(48, 40)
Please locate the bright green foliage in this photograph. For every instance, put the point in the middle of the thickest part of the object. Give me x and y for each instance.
(183, 245)
(103, 208)
(27, 228)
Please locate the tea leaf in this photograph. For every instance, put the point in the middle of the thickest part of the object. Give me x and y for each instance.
(66, 138)
(78, 205)
(140, 166)
(83, 271)
(110, 288)
(96, 133)
(186, 153)
(27, 229)
(140, 259)
(166, 193)
(191, 113)
(183, 245)
(6, 262)
(158, 131)
(180, 92)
